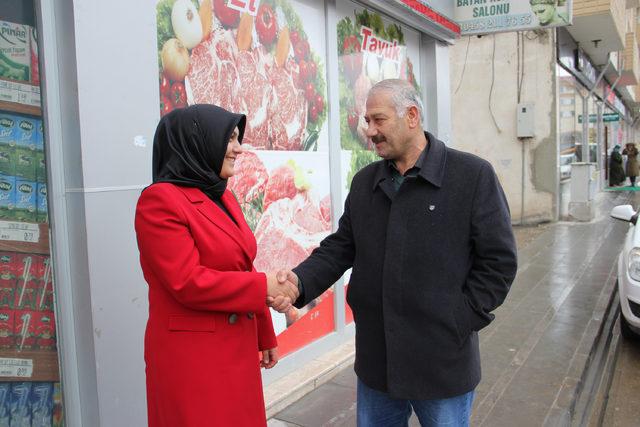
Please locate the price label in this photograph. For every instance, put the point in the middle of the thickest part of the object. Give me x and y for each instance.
(19, 232)
(21, 368)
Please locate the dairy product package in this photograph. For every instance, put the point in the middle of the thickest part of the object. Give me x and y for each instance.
(7, 143)
(41, 403)
(19, 404)
(7, 196)
(15, 53)
(25, 151)
(25, 208)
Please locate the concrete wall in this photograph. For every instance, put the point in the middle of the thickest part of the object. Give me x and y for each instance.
(474, 130)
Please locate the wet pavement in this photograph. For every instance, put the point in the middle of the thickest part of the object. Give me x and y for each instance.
(535, 354)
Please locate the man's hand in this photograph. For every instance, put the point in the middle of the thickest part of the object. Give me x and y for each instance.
(285, 293)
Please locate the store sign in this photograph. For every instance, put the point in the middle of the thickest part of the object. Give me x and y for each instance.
(608, 117)
(427, 11)
(491, 16)
(585, 67)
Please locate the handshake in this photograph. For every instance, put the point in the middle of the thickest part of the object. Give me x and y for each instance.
(282, 290)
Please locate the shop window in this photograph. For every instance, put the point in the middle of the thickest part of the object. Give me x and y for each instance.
(30, 390)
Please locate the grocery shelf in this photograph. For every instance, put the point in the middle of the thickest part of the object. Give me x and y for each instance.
(41, 247)
(45, 365)
(15, 107)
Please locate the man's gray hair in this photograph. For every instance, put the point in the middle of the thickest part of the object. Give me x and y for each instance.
(403, 95)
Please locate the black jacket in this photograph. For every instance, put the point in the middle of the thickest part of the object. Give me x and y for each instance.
(428, 269)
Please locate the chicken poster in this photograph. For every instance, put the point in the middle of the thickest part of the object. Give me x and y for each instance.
(370, 48)
(256, 57)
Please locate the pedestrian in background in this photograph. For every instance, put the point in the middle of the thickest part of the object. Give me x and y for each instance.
(208, 317)
(428, 233)
(631, 152)
(616, 172)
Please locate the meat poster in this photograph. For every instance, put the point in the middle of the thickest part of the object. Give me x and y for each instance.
(263, 58)
(286, 202)
(249, 56)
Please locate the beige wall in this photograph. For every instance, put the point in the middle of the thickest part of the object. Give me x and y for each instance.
(474, 130)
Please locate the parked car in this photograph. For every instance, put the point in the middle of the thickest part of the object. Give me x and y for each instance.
(629, 273)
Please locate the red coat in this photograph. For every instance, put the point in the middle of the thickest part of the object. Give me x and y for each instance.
(202, 337)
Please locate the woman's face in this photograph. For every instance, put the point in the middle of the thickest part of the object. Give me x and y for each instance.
(233, 150)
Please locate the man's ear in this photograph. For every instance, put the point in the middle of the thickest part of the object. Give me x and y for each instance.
(413, 117)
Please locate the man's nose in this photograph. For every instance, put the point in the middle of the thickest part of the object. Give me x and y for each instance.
(371, 130)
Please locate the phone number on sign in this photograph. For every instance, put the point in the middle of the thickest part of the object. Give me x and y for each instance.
(497, 22)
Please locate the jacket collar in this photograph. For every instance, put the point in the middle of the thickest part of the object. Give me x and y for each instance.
(432, 163)
(218, 217)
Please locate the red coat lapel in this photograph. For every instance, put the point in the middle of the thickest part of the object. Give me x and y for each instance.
(221, 220)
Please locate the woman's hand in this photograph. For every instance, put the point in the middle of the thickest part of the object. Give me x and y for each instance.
(269, 358)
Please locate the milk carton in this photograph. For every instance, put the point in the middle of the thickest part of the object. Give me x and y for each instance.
(7, 196)
(25, 208)
(26, 141)
(7, 143)
(41, 169)
(15, 54)
(5, 397)
(41, 203)
(41, 403)
(19, 404)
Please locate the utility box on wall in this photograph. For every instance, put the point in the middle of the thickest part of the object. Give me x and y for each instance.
(525, 117)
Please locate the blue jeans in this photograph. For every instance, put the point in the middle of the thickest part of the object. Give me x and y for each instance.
(377, 409)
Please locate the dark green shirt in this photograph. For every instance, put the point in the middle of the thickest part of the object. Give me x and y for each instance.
(397, 178)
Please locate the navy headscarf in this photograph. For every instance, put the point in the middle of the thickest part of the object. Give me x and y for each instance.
(190, 145)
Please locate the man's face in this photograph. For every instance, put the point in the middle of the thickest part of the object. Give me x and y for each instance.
(387, 130)
(544, 12)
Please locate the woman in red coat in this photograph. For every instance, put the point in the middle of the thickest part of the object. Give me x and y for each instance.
(208, 318)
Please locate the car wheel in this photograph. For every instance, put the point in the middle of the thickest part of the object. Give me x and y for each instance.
(625, 329)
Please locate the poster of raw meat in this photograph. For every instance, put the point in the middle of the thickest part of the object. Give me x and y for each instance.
(264, 58)
(286, 201)
(249, 56)
(371, 48)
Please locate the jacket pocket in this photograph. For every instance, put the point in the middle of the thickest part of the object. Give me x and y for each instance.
(192, 323)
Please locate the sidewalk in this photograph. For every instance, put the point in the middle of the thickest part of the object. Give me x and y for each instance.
(536, 351)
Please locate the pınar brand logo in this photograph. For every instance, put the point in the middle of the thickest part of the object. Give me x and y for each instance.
(17, 32)
(5, 186)
(6, 122)
(26, 188)
(43, 190)
(5, 258)
(4, 317)
(26, 125)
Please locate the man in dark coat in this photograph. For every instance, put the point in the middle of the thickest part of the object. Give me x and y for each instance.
(428, 233)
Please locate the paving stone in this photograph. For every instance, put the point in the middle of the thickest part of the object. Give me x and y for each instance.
(328, 403)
